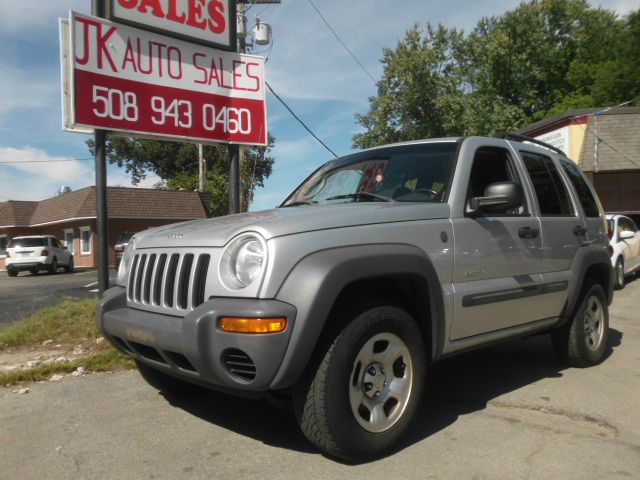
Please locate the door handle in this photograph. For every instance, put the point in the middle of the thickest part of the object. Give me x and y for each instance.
(528, 232)
(579, 230)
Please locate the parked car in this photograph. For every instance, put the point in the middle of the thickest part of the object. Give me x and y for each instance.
(121, 245)
(624, 239)
(378, 264)
(35, 253)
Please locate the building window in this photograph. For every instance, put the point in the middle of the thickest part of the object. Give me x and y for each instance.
(85, 240)
(68, 239)
(3, 245)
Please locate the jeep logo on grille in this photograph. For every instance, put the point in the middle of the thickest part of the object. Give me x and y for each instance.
(174, 236)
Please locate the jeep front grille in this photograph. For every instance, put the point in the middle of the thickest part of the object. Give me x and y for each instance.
(168, 280)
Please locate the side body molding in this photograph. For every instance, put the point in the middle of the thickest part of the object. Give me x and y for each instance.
(315, 282)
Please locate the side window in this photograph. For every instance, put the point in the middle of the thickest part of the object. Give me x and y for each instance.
(492, 165)
(589, 204)
(55, 242)
(551, 192)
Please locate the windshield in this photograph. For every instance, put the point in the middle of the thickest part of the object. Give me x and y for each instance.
(28, 242)
(415, 173)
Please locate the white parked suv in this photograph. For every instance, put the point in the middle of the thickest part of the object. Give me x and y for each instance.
(35, 253)
(624, 239)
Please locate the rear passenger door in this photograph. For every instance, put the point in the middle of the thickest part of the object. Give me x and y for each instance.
(563, 229)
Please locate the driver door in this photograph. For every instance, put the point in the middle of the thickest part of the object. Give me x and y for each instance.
(497, 256)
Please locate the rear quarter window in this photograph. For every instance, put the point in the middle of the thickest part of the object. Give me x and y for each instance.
(587, 200)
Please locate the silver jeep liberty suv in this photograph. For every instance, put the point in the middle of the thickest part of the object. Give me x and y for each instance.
(378, 264)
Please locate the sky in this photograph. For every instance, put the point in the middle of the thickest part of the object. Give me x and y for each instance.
(307, 67)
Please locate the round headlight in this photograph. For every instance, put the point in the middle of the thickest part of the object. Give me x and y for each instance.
(243, 261)
(125, 263)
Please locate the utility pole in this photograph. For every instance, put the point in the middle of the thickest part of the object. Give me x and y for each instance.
(237, 153)
(102, 220)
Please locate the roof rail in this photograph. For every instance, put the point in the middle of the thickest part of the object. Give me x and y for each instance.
(524, 138)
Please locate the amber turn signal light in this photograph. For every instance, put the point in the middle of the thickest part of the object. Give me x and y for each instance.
(252, 325)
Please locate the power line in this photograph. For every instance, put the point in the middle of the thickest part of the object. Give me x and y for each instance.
(342, 43)
(299, 120)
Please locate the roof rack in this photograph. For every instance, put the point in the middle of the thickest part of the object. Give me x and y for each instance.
(518, 137)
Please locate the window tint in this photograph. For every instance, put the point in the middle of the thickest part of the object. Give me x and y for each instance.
(492, 165)
(551, 192)
(28, 242)
(55, 242)
(626, 225)
(589, 204)
(3, 245)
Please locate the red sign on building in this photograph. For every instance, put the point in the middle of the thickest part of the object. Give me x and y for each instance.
(133, 81)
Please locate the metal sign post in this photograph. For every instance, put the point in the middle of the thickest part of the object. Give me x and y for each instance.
(102, 219)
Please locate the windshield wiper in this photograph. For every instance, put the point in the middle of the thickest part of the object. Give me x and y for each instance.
(359, 195)
(297, 203)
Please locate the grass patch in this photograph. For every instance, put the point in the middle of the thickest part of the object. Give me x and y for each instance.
(69, 325)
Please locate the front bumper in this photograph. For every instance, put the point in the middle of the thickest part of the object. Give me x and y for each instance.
(193, 348)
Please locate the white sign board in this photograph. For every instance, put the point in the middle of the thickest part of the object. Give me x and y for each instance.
(137, 82)
(211, 22)
(558, 138)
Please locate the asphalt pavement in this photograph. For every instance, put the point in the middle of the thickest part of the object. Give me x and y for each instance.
(25, 293)
(510, 411)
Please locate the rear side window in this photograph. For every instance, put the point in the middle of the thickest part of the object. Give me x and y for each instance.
(551, 192)
(589, 204)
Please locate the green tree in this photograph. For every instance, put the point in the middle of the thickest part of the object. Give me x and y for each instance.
(419, 94)
(177, 165)
(541, 58)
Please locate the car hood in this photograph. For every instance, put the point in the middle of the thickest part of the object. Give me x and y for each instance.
(217, 232)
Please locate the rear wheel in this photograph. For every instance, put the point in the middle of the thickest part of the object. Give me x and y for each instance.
(12, 273)
(620, 274)
(69, 268)
(166, 383)
(34, 271)
(583, 341)
(358, 397)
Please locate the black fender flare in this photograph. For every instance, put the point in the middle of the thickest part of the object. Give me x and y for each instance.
(314, 283)
(585, 258)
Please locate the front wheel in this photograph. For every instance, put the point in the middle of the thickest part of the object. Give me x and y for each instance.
(583, 341)
(620, 274)
(360, 399)
(12, 273)
(69, 267)
(53, 269)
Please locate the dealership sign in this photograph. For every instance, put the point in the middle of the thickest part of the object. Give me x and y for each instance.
(123, 79)
(206, 21)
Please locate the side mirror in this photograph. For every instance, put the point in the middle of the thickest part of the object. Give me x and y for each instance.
(627, 235)
(498, 198)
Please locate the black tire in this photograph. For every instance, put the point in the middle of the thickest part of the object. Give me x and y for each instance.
(166, 383)
(619, 274)
(574, 343)
(34, 271)
(69, 268)
(12, 273)
(53, 269)
(323, 397)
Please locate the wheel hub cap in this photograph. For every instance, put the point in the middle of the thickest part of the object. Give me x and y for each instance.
(374, 380)
(594, 323)
(381, 382)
